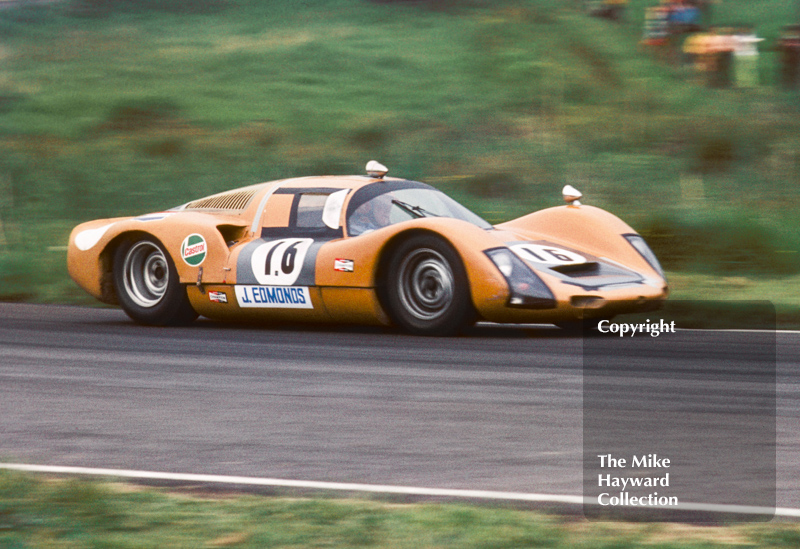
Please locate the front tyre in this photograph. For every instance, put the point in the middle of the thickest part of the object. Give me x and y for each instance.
(428, 291)
(147, 285)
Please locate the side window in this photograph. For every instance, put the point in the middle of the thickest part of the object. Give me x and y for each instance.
(307, 213)
(309, 210)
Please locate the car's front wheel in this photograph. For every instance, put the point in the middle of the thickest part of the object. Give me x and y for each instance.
(428, 291)
(147, 285)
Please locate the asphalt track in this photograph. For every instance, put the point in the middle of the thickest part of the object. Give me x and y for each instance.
(500, 409)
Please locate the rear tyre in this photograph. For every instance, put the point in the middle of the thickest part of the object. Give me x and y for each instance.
(428, 290)
(147, 285)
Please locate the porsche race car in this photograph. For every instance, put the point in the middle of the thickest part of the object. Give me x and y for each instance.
(365, 249)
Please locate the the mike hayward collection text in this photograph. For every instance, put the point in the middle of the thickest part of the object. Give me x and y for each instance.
(626, 483)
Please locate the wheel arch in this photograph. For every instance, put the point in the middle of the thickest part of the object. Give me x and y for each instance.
(385, 255)
(107, 286)
(148, 297)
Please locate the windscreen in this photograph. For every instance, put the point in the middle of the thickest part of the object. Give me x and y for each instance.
(385, 204)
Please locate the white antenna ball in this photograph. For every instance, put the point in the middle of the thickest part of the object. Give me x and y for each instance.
(376, 169)
(571, 195)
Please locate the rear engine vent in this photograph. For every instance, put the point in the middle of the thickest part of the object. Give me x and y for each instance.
(231, 200)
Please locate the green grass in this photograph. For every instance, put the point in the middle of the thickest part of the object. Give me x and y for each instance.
(717, 301)
(119, 107)
(74, 513)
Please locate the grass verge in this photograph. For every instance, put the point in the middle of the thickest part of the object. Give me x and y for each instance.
(78, 513)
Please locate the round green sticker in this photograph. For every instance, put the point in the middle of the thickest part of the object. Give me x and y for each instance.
(193, 250)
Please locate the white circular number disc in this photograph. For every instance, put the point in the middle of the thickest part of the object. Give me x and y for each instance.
(278, 263)
(549, 255)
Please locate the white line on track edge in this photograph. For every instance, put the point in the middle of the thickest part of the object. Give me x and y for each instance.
(380, 489)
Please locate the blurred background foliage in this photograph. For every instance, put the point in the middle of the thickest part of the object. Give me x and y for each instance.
(120, 107)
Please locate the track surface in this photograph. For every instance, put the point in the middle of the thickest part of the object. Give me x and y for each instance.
(498, 410)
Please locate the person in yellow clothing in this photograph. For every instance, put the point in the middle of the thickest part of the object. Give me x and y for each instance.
(723, 47)
(695, 51)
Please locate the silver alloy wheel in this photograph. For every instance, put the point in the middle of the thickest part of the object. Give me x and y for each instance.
(146, 274)
(425, 284)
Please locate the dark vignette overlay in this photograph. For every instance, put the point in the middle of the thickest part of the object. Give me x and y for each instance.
(683, 417)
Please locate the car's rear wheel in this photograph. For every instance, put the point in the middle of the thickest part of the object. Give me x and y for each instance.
(147, 285)
(428, 291)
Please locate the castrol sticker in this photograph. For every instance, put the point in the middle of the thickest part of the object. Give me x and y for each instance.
(194, 249)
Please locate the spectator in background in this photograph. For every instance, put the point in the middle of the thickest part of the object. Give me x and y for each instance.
(697, 51)
(710, 52)
(745, 56)
(789, 50)
(667, 24)
(722, 46)
(683, 17)
(656, 28)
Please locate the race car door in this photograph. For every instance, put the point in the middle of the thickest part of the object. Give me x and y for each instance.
(276, 272)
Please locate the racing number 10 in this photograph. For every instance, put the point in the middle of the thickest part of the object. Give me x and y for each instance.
(279, 262)
(550, 251)
(549, 255)
(287, 262)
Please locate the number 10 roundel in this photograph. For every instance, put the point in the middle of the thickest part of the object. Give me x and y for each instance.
(278, 263)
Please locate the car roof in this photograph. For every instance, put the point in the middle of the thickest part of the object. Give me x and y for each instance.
(337, 181)
(242, 201)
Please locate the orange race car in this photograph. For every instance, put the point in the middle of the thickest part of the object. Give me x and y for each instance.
(365, 249)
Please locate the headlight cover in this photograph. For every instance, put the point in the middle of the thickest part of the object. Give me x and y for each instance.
(644, 250)
(527, 291)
